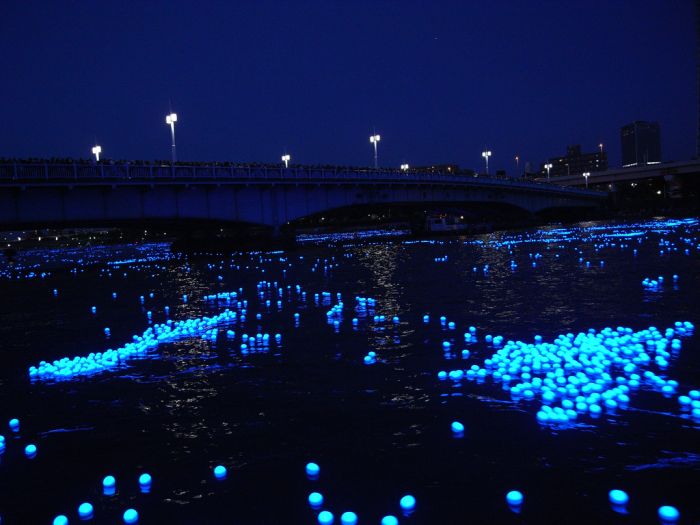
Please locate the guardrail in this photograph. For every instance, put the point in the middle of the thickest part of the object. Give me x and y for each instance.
(134, 173)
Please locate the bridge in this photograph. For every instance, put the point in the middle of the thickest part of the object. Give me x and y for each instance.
(676, 177)
(48, 194)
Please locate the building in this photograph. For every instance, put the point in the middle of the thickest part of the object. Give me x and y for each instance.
(641, 143)
(575, 162)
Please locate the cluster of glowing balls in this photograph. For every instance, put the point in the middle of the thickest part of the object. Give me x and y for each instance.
(587, 373)
(652, 284)
(326, 517)
(370, 358)
(95, 362)
(86, 510)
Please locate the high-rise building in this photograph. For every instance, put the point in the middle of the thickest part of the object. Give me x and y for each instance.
(641, 143)
(575, 162)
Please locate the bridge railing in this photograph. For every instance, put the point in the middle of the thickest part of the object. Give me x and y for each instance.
(82, 172)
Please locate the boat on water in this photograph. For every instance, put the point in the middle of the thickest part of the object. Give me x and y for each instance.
(452, 224)
(445, 223)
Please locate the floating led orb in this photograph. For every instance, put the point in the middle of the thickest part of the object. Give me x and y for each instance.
(325, 518)
(30, 451)
(348, 518)
(85, 511)
(315, 499)
(618, 497)
(220, 472)
(14, 425)
(515, 498)
(668, 513)
(145, 481)
(457, 428)
(130, 516)
(312, 470)
(390, 520)
(60, 520)
(407, 502)
(109, 482)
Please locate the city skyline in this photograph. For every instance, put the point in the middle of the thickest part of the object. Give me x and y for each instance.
(240, 97)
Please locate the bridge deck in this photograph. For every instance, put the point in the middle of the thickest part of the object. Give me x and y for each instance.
(69, 174)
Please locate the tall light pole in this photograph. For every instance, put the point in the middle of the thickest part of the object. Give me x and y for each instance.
(404, 167)
(601, 147)
(286, 158)
(585, 176)
(171, 120)
(517, 165)
(374, 139)
(486, 154)
(96, 152)
(548, 167)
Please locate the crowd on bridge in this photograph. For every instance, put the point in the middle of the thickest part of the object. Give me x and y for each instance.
(447, 169)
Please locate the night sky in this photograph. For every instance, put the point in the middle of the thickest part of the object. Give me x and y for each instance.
(438, 80)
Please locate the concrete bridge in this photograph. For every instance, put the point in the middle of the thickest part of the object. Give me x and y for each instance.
(49, 194)
(674, 175)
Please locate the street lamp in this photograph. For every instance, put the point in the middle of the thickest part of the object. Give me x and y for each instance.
(486, 154)
(585, 176)
(404, 167)
(374, 139)
(286, 159)
(96, 152)
(548, 167)
(601, 147)
(517, 165)
(171, 120)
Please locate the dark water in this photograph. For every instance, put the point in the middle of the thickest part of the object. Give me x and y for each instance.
(379, 431)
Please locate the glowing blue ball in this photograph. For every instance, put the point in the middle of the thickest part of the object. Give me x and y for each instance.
(515, 498)
(618, 497)
(60, 520)
(457, 427)
(14, 425)
(325, 518)
(109, 482)
(220, 472)
(131, 516)
(30, 451)
(390, 520)
(145, 479)
(668, 513)
(312, 470)
(408, 502)
(315, 499)
(348, 518)
(85, 510)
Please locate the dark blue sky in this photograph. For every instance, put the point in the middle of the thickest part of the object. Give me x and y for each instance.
(439, 80)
